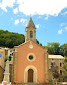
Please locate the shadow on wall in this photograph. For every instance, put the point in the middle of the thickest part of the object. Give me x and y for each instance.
(1, 74)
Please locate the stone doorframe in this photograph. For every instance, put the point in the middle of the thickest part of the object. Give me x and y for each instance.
(34, 73)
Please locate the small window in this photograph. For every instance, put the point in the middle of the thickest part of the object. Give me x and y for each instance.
(60, 64)
(0, 55)
(31, 34)
(60, 72)
(31, 57)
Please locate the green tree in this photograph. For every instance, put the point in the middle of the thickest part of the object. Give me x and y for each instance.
(37, 41)
(64, 49)
(56, 75)
(10, 39)
(65, 66)
(6, 58)
(40, 44)
(53, 48)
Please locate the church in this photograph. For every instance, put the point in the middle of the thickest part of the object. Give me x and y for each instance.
(30, 60)
(31, 64)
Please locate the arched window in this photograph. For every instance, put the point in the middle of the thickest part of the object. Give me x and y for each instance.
(31, 34)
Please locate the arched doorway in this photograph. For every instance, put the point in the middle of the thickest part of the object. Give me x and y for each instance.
(33, 74)
(30, 75)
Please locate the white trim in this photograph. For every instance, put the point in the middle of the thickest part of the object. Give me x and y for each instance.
(22, 43)
(55, 57)
(34, 57)
(31, 46)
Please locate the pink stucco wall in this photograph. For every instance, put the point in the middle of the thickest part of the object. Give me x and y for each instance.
(22, 61)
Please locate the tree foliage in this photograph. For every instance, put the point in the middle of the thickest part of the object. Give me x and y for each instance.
(8, 39)
(6, 58)
(64, 49)
(65, 66)
(53, 48)
(55, 74)
(38, 42)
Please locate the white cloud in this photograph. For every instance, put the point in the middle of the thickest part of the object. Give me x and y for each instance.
(6, 3)
(32, 7)
(23, 20)
(16, 22)
(65, 28)
(64, 13)
(46, 18)
(60, 31)
(20, 1)
(62, 24)
(37, 26)
(15, 11)
(41, 7)
(38, 17)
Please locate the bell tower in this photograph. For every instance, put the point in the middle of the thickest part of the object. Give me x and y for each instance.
(30, 31)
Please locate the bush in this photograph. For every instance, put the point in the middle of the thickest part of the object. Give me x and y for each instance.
(6, 58)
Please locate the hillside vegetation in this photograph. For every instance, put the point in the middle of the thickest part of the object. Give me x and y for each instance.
(56, 48)
(10, 39)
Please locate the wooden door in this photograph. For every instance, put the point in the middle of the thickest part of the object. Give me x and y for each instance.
(30, 75)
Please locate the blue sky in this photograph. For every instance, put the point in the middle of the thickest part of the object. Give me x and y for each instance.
(49, 17)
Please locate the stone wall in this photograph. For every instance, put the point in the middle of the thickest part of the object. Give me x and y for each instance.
(10, 71)
(1, 74)
(46, 67)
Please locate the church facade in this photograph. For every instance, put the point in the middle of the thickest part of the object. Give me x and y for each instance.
(30, 61)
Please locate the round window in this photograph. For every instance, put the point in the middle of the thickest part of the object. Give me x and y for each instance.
(31, 57)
